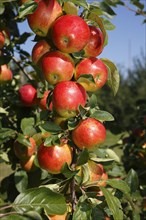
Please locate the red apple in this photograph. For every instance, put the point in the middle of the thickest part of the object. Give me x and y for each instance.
(66, 98)
(57, 67)
(95, 44)
(28, 94)
(70, 33)
(40, 21)
(28, 164)
(24, 152)
(96, 68)
(2, 40)
(52, 158)
(39, 49)
(43, 101)
(5, 73)
(89, 133)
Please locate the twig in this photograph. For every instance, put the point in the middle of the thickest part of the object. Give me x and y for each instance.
(6, 214)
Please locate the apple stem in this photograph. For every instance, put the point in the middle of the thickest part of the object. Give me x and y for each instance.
(20, 67)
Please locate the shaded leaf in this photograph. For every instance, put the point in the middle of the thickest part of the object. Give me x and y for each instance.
(119, 184)
(83, 157)
(70, 8)
(51, 127)
(132, 180)
(21, 180)
(102, 115)
(113, 155)
(27, 8)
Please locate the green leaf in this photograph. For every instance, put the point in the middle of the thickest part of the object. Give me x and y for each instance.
(38, 199)
(113, 77)
(23, 140)
(132, 180)
(92, 103)
(119, 184)
(23, 38)
(2, 8)
(27, 126)
(52, 140)
(102, 115)
(27, 8)
(70, 8)
(82, 3)
(107, 24)
(14, 217)
(51, 127)
(67, 172)
(83, 157)
(137, 3)
(101, 160)
(5, 59)
(106, 8)
(6, 134)
(72, 123)
(113, 155)
(21, 180)
(113, 204)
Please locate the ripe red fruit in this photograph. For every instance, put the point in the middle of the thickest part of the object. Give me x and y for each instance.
(57, 67)
(28, 164)
(2, 40)
(39, 49)
(43, 101)
(89, 133)
(52, 158)
(5, 73)
(67, 96)
(24, 152)
(95, 44)
(70, 33)
(40, 21)
(28, 94)
(96, 68)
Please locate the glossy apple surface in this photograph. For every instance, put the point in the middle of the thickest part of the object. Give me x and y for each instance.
(24, 152)
(5, 74)
(39, 49)
(27, 94)
(43, 101)
(95, 44)
(89, 133)
(66, 98)
(70, 33)
(40, 21)
(96, 68)
(52, 158)
(57, 67)
(2, 40)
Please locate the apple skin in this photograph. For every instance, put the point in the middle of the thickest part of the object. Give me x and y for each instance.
(24, 152)
(94, 47)
(57, 67)
(52, 158)
(70, 33)
(43, 101)
(39, 49)
(96, 68)
(28, 95)
(41, 20)
(66, 98)
(28, 164)
(58, 217)
(5, 74)
(2, 40)
(89, 133)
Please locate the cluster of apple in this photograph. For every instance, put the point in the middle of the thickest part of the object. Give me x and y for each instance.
(5, 72)
(62, 36)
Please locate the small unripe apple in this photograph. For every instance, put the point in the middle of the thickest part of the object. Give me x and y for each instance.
(28, 164)
(24, 152)
(43, 101)
(5, 74)
(89, 133)
(41, 20)
(2, 40)
(96, 68)
(28, 95)
(39, 49)
(95, 44)
(67, 97)
(70, 33)
(52, 158)
(57, 67)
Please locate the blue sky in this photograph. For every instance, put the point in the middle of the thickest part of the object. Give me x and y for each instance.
(125, 42)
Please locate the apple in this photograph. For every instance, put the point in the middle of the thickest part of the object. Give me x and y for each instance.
(41, 20)
(24, 152)
(61, 121)
(5, 74)
(57, 67)
(28, 164)
(70, 33)
(2, 40)
(39, 49)
(52, 158)
(96, 68)
(89, 133)
(28, 95)
(95, 44)
(43, 101)
(67, 97)
(58, 217)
